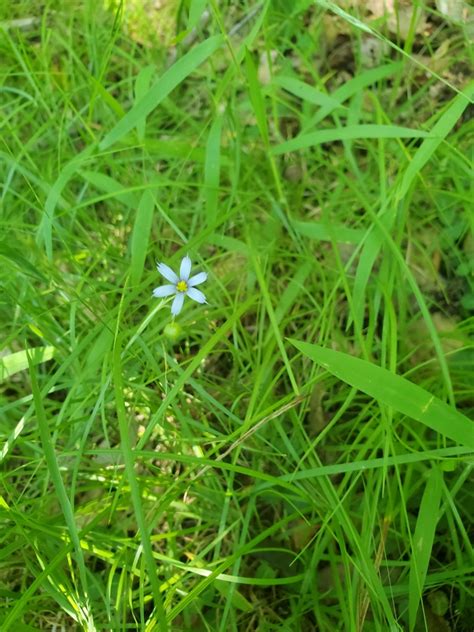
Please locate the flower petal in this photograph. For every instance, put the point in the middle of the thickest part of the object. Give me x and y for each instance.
(197, 279)
(177, 304)
(167, 272)
(164, 290)
(196, 295)
(185, 268)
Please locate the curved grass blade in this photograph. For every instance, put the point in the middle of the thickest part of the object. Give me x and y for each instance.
(438, 133)
(161, 89)
(306, 92)
(63, 499)
(106, 184)
(44, 235)
(212, 170)
(141, 235)
(350, 132)
(354, 86)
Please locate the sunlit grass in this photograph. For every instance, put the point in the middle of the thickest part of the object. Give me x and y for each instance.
(296, 454)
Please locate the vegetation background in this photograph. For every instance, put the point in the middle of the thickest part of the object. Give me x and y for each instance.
(295, 455)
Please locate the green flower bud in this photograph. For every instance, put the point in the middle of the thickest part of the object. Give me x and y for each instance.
(173, 331)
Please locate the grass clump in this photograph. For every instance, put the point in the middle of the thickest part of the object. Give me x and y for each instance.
(295, 454)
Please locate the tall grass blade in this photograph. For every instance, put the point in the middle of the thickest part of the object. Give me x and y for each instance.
(141, 236)
(63, 499)
(423, 542)
(129, 460)
(212, 170)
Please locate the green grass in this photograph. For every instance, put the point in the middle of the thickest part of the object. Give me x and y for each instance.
(299, 457)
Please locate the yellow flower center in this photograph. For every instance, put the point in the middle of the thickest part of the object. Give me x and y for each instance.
(181, 286)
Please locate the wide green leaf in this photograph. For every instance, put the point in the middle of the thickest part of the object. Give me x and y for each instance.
(395, 391)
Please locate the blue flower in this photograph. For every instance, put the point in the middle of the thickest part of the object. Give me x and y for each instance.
(181, 285)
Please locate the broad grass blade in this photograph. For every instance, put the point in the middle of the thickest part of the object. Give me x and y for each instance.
(395, 391)
(18, 361)
(196, 9)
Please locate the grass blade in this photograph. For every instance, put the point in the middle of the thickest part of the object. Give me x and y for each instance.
(19, 361)
(141, 235)
(256, 97)
(109, 185)
(323, 232)
(212, 170)
(60, 489)
(332, 6)
(129, 460)
(438, 133)
(273, 321)
(395, 391)
(355, 86)
(44, 233)
(161, 89)
(19, 263)
(306, 92)
(142, 86)
(423, 542)
(351, 132)
(196, 9)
